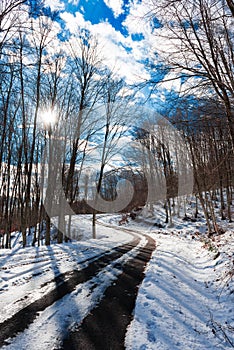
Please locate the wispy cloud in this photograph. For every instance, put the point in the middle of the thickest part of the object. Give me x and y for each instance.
(116, 6)
(121, 54)
(136, 21)
(55, 5)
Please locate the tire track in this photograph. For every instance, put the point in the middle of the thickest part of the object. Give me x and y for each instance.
(105, 327)
(65, 283)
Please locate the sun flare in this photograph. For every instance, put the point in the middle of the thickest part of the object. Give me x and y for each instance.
(48, 117)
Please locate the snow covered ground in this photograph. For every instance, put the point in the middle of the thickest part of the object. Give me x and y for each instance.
(180, 300)
(185, 301)
(24, 272)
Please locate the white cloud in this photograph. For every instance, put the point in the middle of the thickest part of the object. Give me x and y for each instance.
(136, 22)
(50, 40)
(55, 5)
(171, 82)
(74, 21)
(126, 64)
(115, 5)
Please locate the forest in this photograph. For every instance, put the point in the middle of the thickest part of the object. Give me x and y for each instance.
(75, 136)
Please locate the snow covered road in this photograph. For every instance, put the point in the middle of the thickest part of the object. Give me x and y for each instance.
(71, 296)
(181, 304)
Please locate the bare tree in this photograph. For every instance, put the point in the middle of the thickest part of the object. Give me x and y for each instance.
(198, 36)
(86, 63)
(10, 13)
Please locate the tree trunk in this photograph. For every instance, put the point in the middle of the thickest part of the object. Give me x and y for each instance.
(47, 236)
(94, 225)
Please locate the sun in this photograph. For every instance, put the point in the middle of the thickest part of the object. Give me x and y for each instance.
(48, 117)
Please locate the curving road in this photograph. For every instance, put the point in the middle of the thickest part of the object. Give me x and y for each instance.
(105, 327)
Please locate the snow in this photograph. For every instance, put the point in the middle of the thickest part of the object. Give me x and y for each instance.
(178, 299)
(184, 302)
(67, 313)
(24, 272)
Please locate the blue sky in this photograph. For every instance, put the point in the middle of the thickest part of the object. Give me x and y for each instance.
(125, 40)
(97, 11)
(127, 43)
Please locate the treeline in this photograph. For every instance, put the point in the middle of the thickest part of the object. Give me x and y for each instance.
(50, 89)
(194, 42)
(63, 112)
